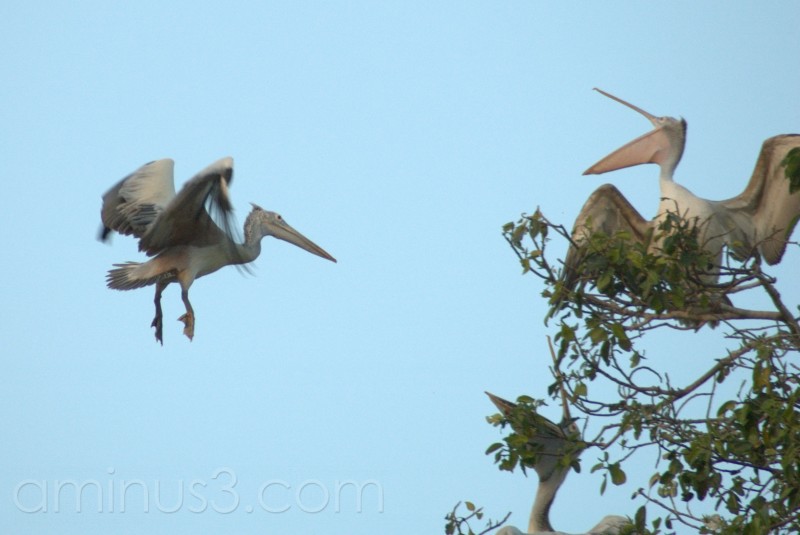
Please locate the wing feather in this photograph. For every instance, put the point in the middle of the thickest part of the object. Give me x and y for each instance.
(767, 202)
(134, 202)
(186, 219)
(606, 210)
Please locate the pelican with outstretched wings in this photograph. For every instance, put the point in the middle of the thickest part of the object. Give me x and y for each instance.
(759, 220)
(179, 232)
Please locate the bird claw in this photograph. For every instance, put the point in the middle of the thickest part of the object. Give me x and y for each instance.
(157, 324)
(188, 321)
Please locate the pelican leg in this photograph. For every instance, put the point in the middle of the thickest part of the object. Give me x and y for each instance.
(188, 318)
(157, 320)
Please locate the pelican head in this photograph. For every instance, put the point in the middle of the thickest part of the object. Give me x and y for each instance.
(550, 442)
(663, 145)
(262, 223)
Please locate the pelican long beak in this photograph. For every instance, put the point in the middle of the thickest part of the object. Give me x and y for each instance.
(285, 232)
(567, 417)
(650, 117)
(502, 405)
(655, 146)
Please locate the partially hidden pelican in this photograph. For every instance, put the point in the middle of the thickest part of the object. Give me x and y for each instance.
(178, 231)
(759, 220)
(550, 444)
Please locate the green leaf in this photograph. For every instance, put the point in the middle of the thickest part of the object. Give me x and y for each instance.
(597, 335)
(618, 476)
(604, 281)
(622, 337)
(726, 407)
(792, 169)
(493, 448)
(761, 375)
(516, 235)
(640, 519)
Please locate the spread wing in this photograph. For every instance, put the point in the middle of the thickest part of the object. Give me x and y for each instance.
(767, 202)
(186, 219)
(134, 202)
(606, 210)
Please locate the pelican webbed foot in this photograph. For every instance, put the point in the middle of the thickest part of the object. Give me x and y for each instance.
(188, 321)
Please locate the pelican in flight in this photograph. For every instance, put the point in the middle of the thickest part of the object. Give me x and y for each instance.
(758, 221)
(178, 231)
(550, 444)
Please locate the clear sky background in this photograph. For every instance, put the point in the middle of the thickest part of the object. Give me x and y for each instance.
(399, 136)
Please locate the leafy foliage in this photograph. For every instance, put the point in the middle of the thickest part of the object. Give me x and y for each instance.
(792, 164)
(529, 428)
(737, 451)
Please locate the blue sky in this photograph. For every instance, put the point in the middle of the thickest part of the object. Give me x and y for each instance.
(399, 136)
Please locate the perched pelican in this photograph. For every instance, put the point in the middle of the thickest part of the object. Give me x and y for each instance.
(759, 220)
(550, 446)
(180, 234)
